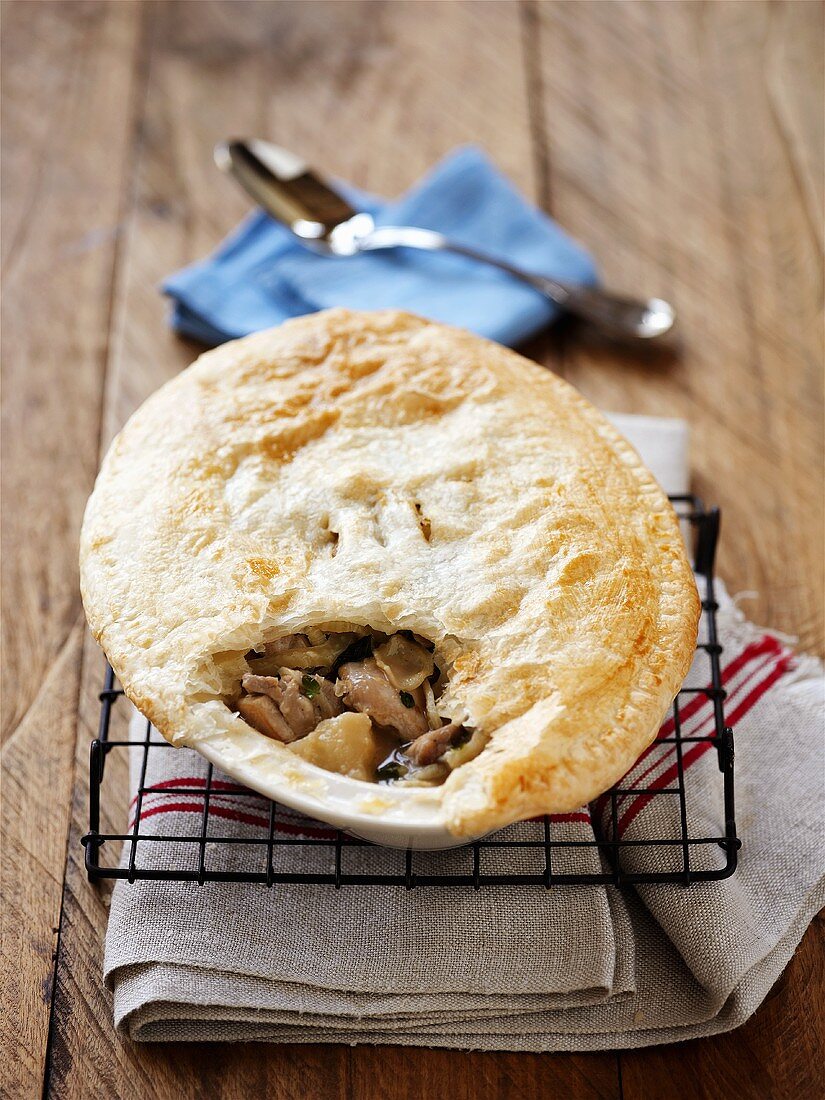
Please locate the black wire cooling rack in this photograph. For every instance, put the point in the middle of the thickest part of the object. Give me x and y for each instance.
(542, 853)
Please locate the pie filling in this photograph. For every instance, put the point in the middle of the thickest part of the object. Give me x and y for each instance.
(358, 702)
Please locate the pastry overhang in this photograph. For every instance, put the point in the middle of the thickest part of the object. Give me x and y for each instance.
(377, 470)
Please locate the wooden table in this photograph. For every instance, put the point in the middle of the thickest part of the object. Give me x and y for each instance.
(681, 141)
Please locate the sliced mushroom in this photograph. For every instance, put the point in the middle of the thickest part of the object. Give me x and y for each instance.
(295, 651)
(406, 663)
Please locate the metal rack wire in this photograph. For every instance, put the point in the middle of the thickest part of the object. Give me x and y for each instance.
(542, 853)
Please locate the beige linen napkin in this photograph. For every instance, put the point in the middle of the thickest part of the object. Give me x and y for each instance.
(572, 968)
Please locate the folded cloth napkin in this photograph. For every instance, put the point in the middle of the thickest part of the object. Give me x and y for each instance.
(514, 968)
(261, 275)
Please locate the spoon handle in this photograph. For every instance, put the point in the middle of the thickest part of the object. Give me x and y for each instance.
(612, 313)
(288, 189)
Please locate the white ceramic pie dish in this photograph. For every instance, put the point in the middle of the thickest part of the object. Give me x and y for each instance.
(395, 816)
(379, 471)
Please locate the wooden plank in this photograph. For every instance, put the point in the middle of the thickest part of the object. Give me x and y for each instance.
(64, 66)
(779, 1052)
(331, 80)
(375, 93)
(622, 89)
(685, 143)
(402, 1073)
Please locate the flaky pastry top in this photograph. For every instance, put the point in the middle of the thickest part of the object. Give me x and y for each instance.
(378, 469)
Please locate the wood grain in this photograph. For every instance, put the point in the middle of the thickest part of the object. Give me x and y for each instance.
(779, 1052)
(214, 70)
(682, 142)
(62, 185)
(685, 145)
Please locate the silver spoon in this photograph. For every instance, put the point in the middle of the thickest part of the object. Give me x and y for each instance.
(294, 194)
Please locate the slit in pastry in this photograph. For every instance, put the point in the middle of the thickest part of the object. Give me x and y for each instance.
(358, 702)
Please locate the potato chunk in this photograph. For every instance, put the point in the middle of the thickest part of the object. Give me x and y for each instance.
(346, 744)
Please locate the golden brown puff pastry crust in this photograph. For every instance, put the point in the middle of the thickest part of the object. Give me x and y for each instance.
(375, 468)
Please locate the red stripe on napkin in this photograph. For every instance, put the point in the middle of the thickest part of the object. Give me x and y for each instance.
(236, 815)
(669, 726)
(780, 667)
(192, 781)
(232, 814)
(766, 644)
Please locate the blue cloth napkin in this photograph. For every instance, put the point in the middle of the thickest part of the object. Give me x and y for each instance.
(261, 275)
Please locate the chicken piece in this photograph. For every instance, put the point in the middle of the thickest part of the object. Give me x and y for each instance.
(326, 701)
(302, 700)
(432, 745)
(366, 688)
(296, 707)
(263, 715)
(262, 685)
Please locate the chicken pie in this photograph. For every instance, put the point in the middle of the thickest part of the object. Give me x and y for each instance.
(394, 551)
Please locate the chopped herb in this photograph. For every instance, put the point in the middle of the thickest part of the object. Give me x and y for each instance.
(310, 686)
(407, 699)
(387, 773)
